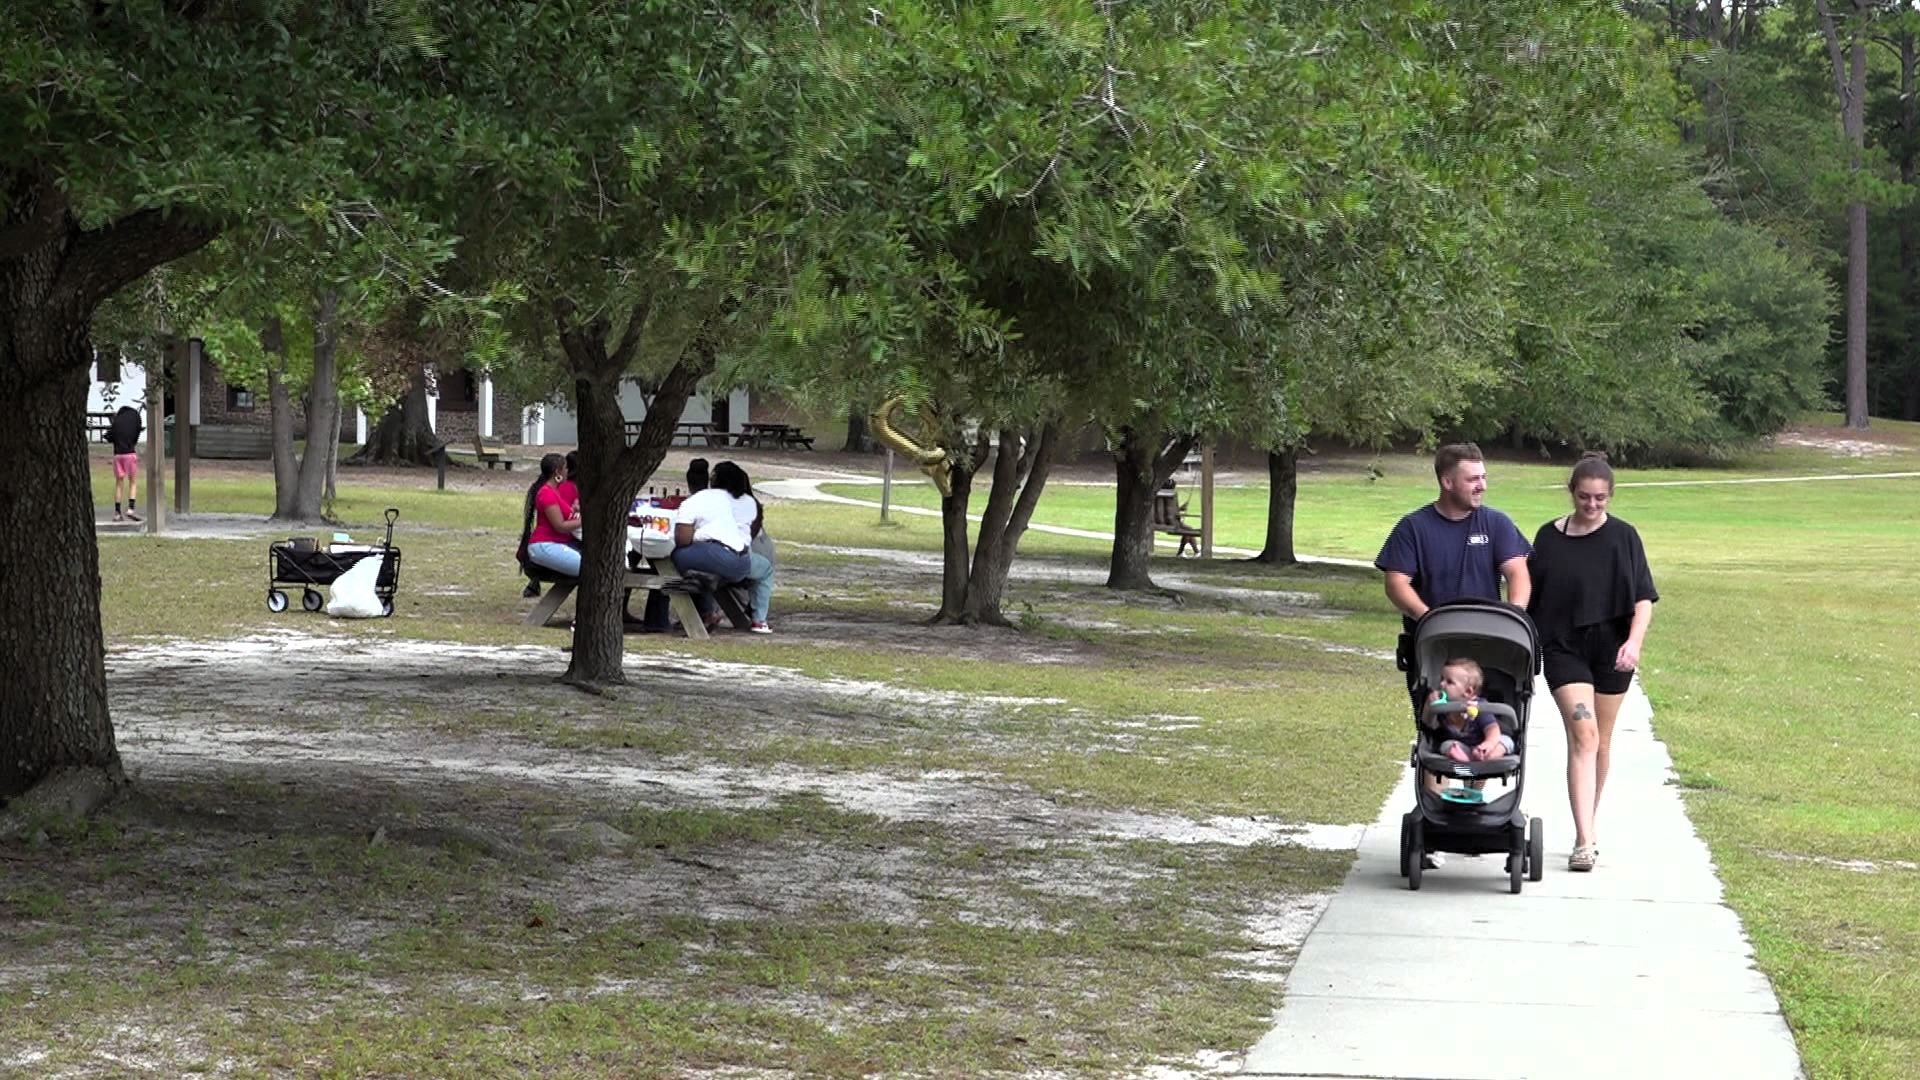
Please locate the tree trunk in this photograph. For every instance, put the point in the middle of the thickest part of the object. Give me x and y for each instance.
(612, 471)
(955, 544)
(1140, 472)
(1908, 370)
(401, 437)
(955, 549)
(856, 432)
(1018, 480)
(323, 413)
(1850, 86)
(53, 275)
(286, 464)
(1283, 488)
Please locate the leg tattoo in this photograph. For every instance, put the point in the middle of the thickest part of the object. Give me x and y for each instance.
(1581, 712)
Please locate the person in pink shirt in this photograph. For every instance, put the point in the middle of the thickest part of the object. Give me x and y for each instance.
(551, 520)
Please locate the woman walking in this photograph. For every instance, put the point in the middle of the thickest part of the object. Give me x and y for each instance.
(1592, 602)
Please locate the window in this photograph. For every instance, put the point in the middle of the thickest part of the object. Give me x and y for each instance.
(239, 399)
(459, 392)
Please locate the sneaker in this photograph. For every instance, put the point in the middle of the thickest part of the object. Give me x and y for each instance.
(135, 518)
(761, 628)
(119, 516)
(532, 590)
(714, 620)
(1432, 860)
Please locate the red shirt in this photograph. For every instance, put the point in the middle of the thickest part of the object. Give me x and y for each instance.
(570, 497)
(544, 533)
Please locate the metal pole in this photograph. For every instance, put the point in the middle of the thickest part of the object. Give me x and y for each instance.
(886, 485)
(1206, 501)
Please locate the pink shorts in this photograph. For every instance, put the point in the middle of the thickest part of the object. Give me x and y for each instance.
(125, 466)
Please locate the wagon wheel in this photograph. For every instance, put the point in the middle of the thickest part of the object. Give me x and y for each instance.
(312, 600)
(276, 601)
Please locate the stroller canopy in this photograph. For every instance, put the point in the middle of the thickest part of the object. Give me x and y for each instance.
(1499, 636)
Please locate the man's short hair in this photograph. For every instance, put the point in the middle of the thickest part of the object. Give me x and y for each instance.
(1448, 458)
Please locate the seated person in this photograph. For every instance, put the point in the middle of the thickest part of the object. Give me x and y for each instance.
(550, 521)
(569, 497)
(1466, 735)
(708, 536)
(760, 576)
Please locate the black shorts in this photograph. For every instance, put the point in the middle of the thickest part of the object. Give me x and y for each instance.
(1588, 658)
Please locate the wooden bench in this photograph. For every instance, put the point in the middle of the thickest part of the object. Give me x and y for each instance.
(654, 574)
(1167, 511)
(489, 458)
(795, 438)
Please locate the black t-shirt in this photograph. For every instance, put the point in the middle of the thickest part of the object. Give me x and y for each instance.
(1586, 581)
(123, 431)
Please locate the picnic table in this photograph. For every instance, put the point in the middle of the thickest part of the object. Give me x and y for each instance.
(685, 433)
(778, 436)
(650, 568)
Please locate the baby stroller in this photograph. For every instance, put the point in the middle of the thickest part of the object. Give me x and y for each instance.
(1501, 639)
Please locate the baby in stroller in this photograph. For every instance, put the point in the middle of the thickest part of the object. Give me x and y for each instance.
(1466, 734)
(1479, 659)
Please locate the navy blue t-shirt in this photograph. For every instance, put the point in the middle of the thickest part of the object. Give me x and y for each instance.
(1452, 560)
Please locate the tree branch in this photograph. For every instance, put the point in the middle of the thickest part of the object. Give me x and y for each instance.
(1834, 55)
(103, 260)
(41, 223)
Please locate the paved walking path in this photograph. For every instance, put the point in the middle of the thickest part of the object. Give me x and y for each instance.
(1635, 970)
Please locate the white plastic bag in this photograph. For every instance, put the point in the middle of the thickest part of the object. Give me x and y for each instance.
(353, 595)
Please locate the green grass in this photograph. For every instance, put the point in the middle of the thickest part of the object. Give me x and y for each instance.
(1778, 666)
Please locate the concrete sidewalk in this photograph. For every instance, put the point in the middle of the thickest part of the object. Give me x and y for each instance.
(1634, 970)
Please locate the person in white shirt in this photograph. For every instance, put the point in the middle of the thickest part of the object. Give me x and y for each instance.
(708, 536)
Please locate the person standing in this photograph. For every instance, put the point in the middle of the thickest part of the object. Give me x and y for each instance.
(123, 431)
(1454, 548)
(1592, 602)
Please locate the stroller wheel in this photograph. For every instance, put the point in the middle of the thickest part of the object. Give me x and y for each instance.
(386, 609)
(1416, 854)
(1406, 841)
(1536, 850)
(312, 600)
(276, 601)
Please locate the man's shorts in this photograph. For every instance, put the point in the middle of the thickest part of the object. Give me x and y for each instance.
(1587, 659)
(125, 466)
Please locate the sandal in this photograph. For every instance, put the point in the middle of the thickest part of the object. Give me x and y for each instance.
(1583, 858)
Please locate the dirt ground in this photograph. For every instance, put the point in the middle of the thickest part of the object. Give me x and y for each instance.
(308, 806)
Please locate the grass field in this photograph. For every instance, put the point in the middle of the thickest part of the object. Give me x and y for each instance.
(1777, 666)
